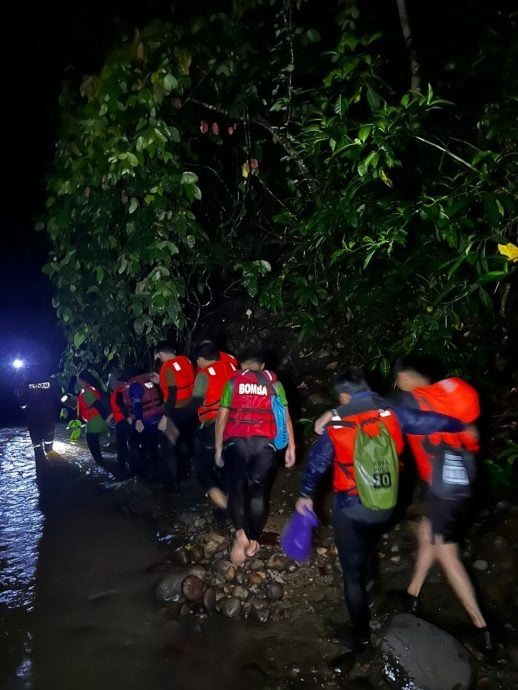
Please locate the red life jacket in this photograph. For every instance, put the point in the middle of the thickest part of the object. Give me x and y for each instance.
(343, 438)
(83, 411)
(184, 375)
(151, 400)
(453, 397)
(226, 357)
(118, 414)
(250, 411)
(218, 373)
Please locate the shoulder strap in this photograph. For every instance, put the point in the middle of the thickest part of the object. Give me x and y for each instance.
(261, 377)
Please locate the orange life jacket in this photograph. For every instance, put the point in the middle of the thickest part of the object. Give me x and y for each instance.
(453, 397)
(226, 357)
(218, 373)
(343, 438)
(184, 376)
(83, 411)
(250, 412)
(118, 414)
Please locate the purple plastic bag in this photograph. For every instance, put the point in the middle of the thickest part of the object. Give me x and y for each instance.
(297, 536)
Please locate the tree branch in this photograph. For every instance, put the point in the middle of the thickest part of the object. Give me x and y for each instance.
(415, 68)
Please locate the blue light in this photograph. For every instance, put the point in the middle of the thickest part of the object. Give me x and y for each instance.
(18, 363)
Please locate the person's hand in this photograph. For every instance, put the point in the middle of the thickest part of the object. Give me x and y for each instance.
(162, 424)
(218, 458)
(321, 422)
(303, 504)
(139, 426)
(289, 457)
(472, 430)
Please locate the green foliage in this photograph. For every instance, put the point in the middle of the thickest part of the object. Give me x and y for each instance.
(74, 426)
(258, 153)
(501, 466)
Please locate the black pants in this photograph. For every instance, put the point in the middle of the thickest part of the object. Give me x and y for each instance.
(356, 540)
(204, 450)
(144, 450)
(93, 441)
(123, 430)
(248, 466)
(41, 431)
(179, 457)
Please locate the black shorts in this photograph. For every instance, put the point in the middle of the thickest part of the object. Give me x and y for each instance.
(185, 419)
(449, 518)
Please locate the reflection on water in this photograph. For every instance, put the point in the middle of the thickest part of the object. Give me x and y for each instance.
(76, 607)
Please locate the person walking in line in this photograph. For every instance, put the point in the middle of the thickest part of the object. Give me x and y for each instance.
(176, 378)
(213, 374)
(358, 523)
(445, 523)
(245, 430)
(90, 409)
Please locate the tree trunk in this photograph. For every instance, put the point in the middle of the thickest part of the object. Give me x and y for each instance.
(415, 68)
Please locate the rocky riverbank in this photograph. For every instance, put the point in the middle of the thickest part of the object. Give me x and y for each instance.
(282, 617)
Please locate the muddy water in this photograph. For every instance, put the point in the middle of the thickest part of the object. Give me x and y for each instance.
(76, 607)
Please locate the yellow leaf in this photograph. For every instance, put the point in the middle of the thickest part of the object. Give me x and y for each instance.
(509, 250)
(245, 169)
(385, 178)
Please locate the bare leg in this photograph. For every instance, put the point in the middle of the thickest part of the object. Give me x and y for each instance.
(171, 432)
(448, 557)
(425, 558)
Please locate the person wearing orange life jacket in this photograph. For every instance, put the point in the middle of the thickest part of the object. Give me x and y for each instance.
(176, 378)
(223, 356)
(91, 410)
(245, 430)
(123, 421)
(441, 530)
(356, 527)
(213, 374)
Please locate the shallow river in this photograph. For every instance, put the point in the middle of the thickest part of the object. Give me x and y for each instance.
(76, 607)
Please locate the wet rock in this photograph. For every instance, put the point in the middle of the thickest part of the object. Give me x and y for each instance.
(259, 615)
(193, 588)
(242, 578)
(275, 591)
(256, 578)
(396, 560)
(419, 652)
(169, 585)
(181, 557)
(480, 564)
(217, 538)
(226, 570)
(232, 607)
(257, 564)
(197, 553)
(209, 599)
(277, 563)
(240, 593)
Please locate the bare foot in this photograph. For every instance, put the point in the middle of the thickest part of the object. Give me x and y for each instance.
(252, 549)
(218, 497)
(241, 543)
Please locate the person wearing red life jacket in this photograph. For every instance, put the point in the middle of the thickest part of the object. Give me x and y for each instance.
(91, 410)
(121, 417)
(213, 374)
(245, 430)
(356, 527)
(176, 378)
(223, 356)
(440, 532)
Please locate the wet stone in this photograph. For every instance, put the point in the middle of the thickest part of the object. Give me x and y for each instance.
(193, 588)
(197, 553)
(209, 599)
(258, 564)
(278, 563)
(259, 615)
(240, 593)
(480, 564)
(232, 607)
(225, 569)
(181, 557)
(275, 591)
(256, 578)
(169, 586)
